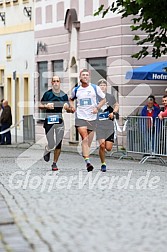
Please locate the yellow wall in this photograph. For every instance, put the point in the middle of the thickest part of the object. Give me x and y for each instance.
(18, 28)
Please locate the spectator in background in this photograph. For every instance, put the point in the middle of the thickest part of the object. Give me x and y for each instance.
(6, 122)
(151, 109)
(1, 109)
(165, 91)
(155, 103)
(163, 114)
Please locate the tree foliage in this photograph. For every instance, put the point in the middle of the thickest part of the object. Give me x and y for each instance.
(149, 16)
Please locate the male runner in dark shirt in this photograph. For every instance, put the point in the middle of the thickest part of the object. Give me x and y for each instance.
(53, 102)
(105, 125)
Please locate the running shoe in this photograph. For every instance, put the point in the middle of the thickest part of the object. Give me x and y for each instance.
(54, 167)
(89, 167)
(103, 168)
(46, 155)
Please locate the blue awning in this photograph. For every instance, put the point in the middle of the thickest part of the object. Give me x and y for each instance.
(156, 71)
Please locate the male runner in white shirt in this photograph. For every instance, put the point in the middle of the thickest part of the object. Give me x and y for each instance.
(90, 99)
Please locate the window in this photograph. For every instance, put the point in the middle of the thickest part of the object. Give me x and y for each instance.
(9, 90)
(26, 95)
(60, 11)
(57, 67)
(42, 82)
(38, 19)
(17, 99)
(89, 7)
(8, 50)
(1, 2)
(7, 1)
(97, 67)
(1, 77)
(2, 83)
(15, 1)
(48, 14)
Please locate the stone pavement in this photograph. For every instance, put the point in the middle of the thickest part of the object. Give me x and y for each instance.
(75, 216)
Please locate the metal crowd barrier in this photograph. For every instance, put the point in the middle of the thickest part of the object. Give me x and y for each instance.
(160, 138)
(116, 130)
(28, 128)
(146, 136)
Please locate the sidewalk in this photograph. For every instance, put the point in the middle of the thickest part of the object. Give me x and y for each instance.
(73, 148)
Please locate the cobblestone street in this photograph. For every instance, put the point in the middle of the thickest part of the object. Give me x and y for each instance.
(69, 214)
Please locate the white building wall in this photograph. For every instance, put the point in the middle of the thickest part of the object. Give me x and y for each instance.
(81, 16)
(18, 31)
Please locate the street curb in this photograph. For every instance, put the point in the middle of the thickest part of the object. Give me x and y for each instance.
(73, 149)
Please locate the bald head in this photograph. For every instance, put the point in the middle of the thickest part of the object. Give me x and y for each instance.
(56, 84)
(5, 103)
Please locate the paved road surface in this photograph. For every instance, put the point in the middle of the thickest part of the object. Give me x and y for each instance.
(66, 212)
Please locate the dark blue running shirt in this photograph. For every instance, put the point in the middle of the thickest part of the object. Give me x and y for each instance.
(59, 99)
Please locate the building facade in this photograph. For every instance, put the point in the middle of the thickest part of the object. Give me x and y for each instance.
(17, 58)
(69, 37)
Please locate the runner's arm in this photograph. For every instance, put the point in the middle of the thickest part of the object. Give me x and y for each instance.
(116, 107)
(98, 107)
(115, 111)
(72, 107)
(68, 108)
(101, 103)
(44, 106)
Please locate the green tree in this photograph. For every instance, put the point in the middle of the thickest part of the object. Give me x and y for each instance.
(149, 16)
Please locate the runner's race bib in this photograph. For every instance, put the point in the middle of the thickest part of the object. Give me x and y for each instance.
(103, 115)
(53, 119)
(86, 101)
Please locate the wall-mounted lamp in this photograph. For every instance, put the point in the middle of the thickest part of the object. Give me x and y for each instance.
(2, 16)
(27, 12)
(41, 47)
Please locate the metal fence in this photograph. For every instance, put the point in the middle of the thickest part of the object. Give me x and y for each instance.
(160, 139)
(117, 150)
(146, 136)
(28, 128)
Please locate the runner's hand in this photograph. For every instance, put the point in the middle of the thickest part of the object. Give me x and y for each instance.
(72, 109)
(66, 106)
(111, 115)
(95, 111)
(50, 105)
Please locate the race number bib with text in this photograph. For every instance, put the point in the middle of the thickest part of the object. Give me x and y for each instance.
(53, 119)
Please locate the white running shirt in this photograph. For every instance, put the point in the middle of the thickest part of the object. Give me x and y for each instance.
(87, 101)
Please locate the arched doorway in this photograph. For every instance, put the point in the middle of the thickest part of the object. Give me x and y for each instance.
(73, 76)
(73, 25)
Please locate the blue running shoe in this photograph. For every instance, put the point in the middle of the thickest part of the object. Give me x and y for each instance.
(103, 168)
